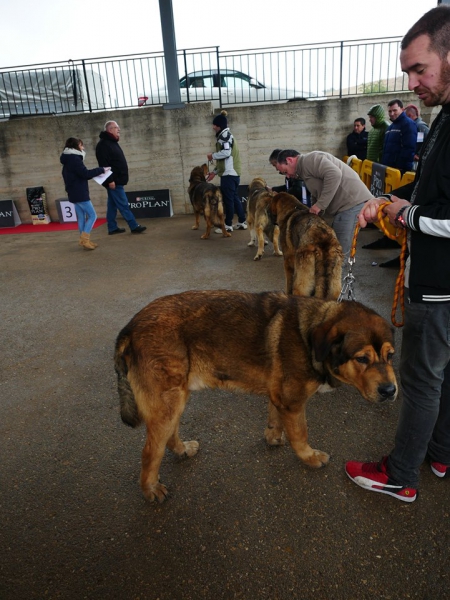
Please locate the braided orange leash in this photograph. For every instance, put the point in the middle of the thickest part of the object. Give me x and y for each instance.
(401, 237)
(399, 293)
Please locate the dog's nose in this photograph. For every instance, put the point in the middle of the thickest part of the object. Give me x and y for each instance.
(387, 391)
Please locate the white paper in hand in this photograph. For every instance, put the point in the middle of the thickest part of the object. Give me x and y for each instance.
(101, 178)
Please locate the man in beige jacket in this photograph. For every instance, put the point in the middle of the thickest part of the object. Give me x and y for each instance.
(336, 190)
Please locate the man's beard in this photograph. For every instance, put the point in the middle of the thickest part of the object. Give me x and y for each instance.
(442, 91)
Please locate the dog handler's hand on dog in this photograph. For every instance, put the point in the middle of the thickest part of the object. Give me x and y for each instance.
(315, 209)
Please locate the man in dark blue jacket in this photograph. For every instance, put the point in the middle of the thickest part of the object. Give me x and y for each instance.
(357, 140)
(400, 139)
(109, 153)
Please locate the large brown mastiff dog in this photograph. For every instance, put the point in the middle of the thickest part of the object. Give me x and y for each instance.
(312, 254)
(284, 347)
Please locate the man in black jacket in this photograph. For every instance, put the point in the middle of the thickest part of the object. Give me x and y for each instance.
(423, 208)
(109, 153)
(357, 139)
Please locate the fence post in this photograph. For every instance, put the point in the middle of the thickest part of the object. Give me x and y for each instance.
(186, 75)
(87, 86)
(218, 76)
(340, 70)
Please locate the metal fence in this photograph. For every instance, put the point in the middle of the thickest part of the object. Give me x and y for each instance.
(313, 71)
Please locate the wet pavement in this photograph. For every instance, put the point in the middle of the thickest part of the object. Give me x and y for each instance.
(244, 520)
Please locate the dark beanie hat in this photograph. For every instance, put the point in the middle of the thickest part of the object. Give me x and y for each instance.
(221, 120)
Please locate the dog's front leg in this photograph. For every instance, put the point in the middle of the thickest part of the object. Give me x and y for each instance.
(274, 430)
(197, 221)
(294, 423)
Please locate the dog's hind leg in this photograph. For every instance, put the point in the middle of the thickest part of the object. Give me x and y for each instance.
(260, 236)
(274, 430)
(162, 430)
(276, 237)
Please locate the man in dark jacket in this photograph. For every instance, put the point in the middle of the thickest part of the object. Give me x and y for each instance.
(400, 139)
(109, 153)
(357, 140)
(423, 209)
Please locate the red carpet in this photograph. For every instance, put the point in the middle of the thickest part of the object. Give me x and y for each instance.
(46, 228)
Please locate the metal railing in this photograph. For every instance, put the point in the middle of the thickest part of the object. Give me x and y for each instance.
(309, 71)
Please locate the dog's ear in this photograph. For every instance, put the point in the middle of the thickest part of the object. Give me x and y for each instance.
(323, 338)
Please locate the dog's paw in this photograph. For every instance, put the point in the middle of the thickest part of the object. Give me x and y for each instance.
(190, 448)
(258, 257)
(204, 237)
(279, 253)
(317, 459)
(274, 437)
(155, 492)
(194, 226)
(226, 234)
(251, 243)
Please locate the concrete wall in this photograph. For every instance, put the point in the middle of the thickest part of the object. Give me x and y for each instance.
(162, 146)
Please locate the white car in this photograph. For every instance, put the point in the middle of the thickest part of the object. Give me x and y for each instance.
(232, 87)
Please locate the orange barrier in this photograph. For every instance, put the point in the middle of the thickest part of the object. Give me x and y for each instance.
(366, 172)
(408, 177)
(356, 163)
(392, 180)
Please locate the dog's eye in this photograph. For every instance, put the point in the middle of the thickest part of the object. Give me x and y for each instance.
(390, 355)
(362, 359)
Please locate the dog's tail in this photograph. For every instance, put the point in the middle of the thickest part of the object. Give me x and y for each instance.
(128, 407)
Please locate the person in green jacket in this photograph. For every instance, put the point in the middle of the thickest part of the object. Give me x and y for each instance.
(376, 134)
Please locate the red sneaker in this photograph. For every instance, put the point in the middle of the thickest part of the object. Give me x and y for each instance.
(374, 477)
(439, 469)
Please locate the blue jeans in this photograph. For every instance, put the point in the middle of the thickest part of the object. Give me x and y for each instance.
(229, 187)
(118, 201)
(86, 216)
(344, 224)
(424, 422)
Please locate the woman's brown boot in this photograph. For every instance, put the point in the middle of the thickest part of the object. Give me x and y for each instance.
(85, 241)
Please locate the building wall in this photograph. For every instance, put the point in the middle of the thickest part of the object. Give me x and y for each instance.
(162, 146)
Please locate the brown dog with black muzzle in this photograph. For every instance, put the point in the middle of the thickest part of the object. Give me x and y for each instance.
(206, 200)
(312, 253)
(284, 347)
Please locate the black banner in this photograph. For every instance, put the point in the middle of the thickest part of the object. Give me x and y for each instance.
(377, 181)
(150, 204)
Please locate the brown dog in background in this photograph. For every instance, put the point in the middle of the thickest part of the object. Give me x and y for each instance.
(206, 200)
(284, 347)
(312, 254)
(258, 218)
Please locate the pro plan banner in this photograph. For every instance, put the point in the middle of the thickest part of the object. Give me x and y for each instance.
(150, 204)
(377, 181)
(38, 206)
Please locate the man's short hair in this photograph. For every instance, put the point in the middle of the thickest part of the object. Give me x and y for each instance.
(436, 25)
(396, 101)
(283, 155)
(107, 124)
(274, 154)
(360, 120)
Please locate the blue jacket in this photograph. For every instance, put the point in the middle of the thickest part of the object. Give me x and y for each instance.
(76, 176)
(400, 144)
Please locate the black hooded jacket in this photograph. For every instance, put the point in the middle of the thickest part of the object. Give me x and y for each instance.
(110, 154)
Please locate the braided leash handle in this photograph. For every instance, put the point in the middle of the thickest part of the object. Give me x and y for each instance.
(399, 293)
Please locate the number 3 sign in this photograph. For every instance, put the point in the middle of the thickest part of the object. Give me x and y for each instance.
(66, 211)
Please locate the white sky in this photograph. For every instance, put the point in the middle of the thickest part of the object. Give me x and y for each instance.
(38, 31)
